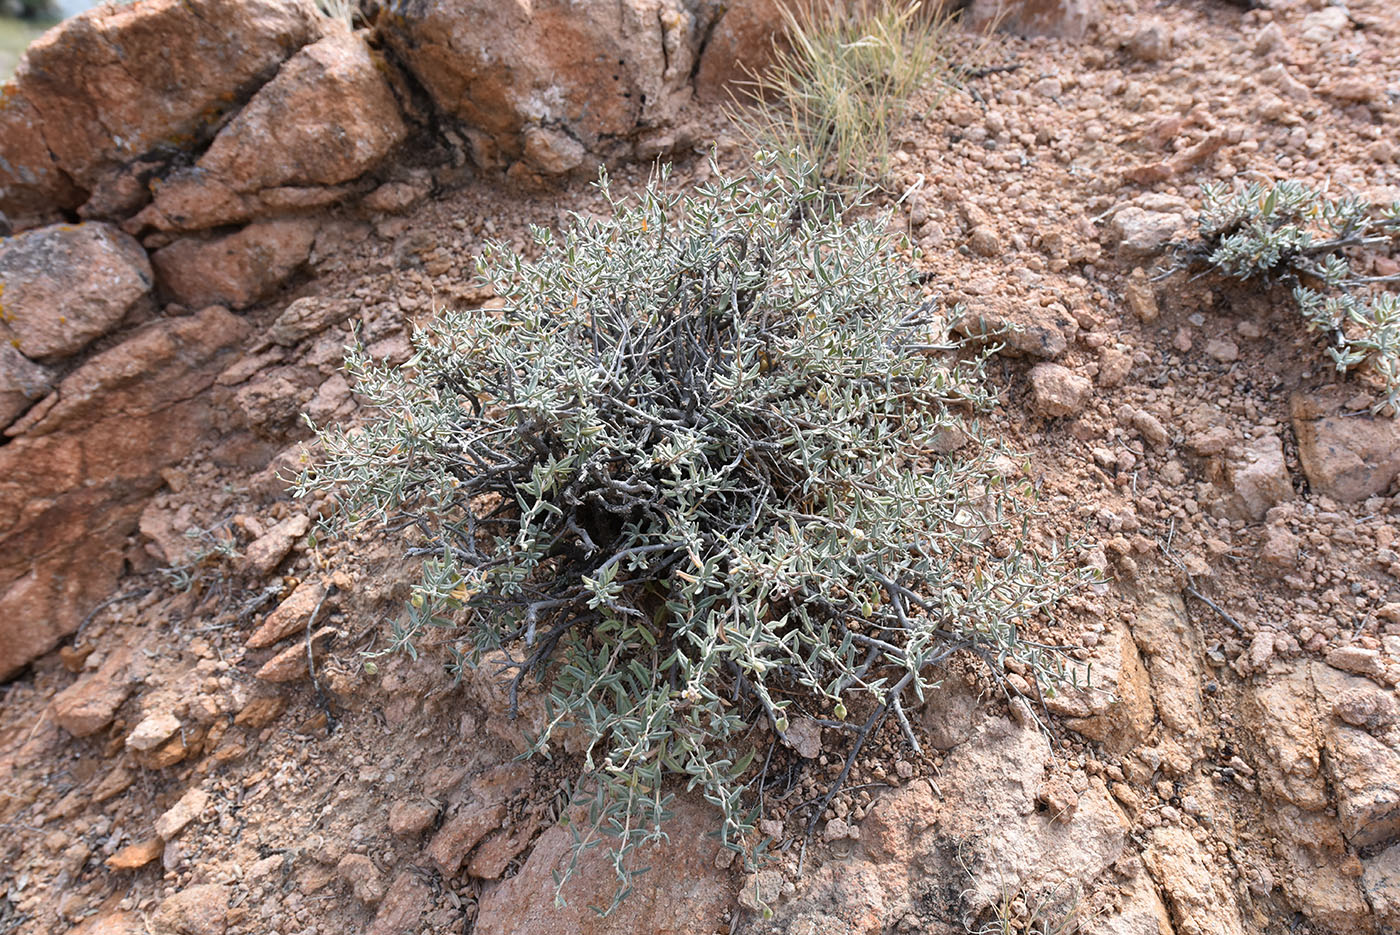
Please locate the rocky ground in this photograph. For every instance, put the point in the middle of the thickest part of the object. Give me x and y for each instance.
(210, 753)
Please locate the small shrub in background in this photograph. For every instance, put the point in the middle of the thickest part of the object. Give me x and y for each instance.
(711, 467)
(1292, 234)
(841, 81)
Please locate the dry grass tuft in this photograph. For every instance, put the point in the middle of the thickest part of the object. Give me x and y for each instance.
(843, 79)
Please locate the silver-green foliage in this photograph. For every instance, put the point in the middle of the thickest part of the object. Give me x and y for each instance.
(693, 476)
(1292, 233)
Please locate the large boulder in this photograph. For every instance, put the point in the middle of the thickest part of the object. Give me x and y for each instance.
(109, 98)
(594, 75)
(327, 118)
(64, 285)
(74, 478)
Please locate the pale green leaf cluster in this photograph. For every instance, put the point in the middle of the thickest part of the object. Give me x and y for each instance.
(1292, 233)
(713, 465)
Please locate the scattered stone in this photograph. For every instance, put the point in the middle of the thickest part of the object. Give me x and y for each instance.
(261, 711)
(293, 615)
(805, 736)
(1324, 25)
(364, 878)
(984, 241)
(395, 197)
(89, 704)
(1261, 650)
(1347, 457)
(333, 402)
(1058, 391)
(412, 818)
(1259, 479)
(1151, 428)
(407, 899)
(1268, 39)
(136, 855)
(236, 270)
(65, 285)
(1151, 42)
(196, 910)
(114, 783)
(1140, 233)
(1058, 798)
(1023, 331)
(1067, 19)
(291, 663)
(152, 731)
(762, 889)
(1357, 660)
(1223, 349)
(462, 832)
(552, 151)
(1141, 296)
(1210, 441)
(307, 316)
(1114, 367)
(1280, 548)
(493, 855)
(191, 804)
(266, 552)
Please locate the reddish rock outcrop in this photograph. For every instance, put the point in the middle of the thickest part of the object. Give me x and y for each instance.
(597, 72)
(238, 269)
(740, 43)
(65, 285)
(22, 382)
(683, 892)
(73, 481)
(327, 118)
(104, 101)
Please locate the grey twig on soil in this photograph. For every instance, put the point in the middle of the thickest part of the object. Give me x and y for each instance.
(128, 596)
(1192, 590)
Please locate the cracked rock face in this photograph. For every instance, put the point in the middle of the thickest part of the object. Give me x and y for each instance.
(100, 105)
(65, 285)
(597, 71)
(326, 119)
(73, 480)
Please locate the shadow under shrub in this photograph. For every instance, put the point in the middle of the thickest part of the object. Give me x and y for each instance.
(712, 465)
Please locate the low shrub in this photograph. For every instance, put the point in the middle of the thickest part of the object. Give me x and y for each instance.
(1293, 234)
(711, 467)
